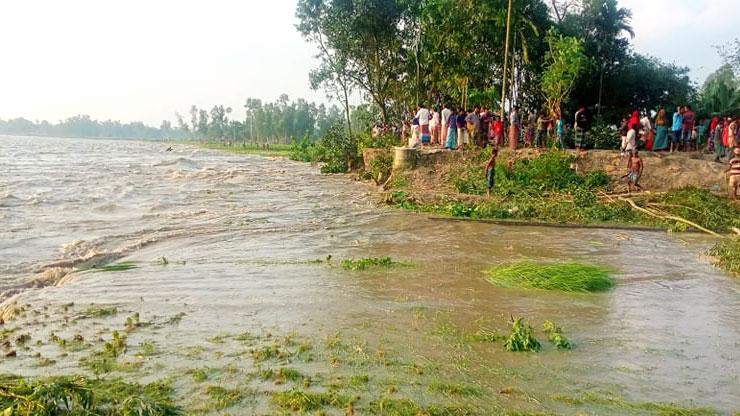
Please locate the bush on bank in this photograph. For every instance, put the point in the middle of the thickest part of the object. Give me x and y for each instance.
(341, 153)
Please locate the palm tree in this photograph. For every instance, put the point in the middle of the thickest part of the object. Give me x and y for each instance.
(607, 23)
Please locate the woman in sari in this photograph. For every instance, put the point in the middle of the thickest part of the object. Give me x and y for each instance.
(661, 131)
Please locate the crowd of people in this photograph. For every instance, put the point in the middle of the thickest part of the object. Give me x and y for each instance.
(456, 128)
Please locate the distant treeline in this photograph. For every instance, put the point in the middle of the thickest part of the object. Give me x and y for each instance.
(277, 121)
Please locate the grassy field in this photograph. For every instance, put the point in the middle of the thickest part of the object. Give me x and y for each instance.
(261, 149)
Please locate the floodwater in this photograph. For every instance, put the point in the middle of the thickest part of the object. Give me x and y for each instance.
(238, 234)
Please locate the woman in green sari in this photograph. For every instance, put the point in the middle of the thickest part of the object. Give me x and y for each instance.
(661, 131)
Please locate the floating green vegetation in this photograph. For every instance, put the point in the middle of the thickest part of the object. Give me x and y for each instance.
(304, 400)
(662, 409)
(390, 406)
(224, 398)
(269, 352)
(199, 375)
(522, 337)
(99, 312)
(555, 335)
(77, 395)
(456, 389)
(105, 360)
(148, 349)
(726, 255)
(116, 267)
(369, 263)
(567, 277)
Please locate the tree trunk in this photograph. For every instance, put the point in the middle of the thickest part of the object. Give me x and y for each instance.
(346, 110)
(601, 88)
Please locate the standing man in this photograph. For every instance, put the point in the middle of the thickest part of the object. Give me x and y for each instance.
(474, 120)
(676, 129)
(445, 118)
(689, 121)
(423, 115)
(514, 126)
(581, 125)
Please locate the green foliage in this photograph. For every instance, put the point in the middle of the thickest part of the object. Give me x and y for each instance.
(700, 206)
(337, 150)
(603, 136)
(565, 60)
(726, 255)
(555, 335)
(566, 277)
(456, 389)
(77, 395)
(522, 337)
(720, 94)
(303, 151)
(368, 263)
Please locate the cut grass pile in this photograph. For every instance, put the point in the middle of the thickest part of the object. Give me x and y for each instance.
(77, 395)
(726, 255)
(566, 277)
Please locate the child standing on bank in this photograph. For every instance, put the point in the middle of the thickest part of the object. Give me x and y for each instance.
(635, 167)
(491, 171)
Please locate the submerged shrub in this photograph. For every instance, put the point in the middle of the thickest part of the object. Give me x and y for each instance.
(522, 337)
(567, 277)
(726, 255)
(555, 335)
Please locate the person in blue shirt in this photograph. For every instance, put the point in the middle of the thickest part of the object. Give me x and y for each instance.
(676, 129)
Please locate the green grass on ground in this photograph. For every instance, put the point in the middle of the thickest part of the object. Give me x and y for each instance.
(260, 149)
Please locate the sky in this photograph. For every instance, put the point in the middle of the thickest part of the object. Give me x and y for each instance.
(147, 59)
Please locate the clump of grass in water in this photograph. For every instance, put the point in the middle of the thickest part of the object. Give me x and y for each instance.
(555, 335)
(522, 338)
(726, 255)
(304, 401)
(567, 277)
(223, 397)
(99, 312)
(369, 262)
(77, 395)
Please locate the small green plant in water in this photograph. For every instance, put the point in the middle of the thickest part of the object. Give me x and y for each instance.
(368, 263)
(555, 335)
(522, 337)
(566, 277)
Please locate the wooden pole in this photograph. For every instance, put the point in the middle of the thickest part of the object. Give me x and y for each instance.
(506, 62)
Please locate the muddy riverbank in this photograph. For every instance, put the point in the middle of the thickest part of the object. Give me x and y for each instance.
(225, 302)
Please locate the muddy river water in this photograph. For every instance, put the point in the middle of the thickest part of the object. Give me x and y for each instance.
(226, 243)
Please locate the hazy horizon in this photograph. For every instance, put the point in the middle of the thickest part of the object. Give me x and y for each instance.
(144, 61)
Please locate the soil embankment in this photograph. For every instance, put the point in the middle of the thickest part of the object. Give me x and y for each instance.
(430, 180)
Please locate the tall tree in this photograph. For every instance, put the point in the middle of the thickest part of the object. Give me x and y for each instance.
(565, 62)
(367, 37)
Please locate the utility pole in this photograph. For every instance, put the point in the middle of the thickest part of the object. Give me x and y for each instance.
(506, 62)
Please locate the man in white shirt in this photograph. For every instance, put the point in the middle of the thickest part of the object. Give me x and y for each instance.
(446, 112)
(423, 115)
